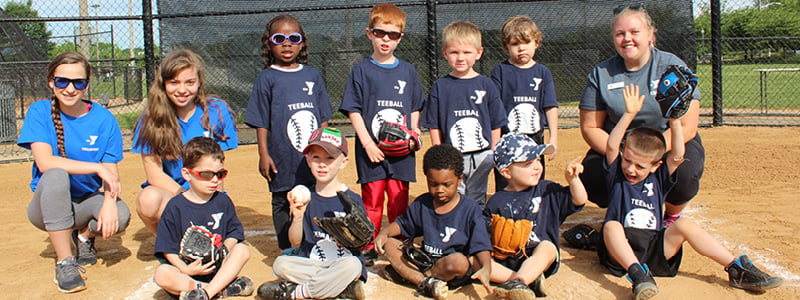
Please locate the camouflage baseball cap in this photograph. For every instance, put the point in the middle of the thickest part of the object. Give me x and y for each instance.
(330, 139)
(514, 147)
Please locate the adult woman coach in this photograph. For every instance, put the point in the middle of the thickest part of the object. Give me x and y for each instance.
(178, 109)
(602, 104)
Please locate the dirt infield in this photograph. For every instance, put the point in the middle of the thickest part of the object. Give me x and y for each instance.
(748, 199)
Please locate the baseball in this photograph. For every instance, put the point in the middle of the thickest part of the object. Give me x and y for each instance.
(300, 193)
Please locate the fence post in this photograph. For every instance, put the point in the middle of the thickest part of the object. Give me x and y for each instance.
(147, 27)
(716, 62)
(433, 53)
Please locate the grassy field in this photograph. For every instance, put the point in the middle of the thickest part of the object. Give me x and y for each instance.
(741, 86)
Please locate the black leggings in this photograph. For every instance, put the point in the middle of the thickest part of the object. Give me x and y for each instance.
(688, 175)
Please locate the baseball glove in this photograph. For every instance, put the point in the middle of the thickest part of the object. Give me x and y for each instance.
(509, 236)
(417, 256)
(354, 230)
(397, 140)
(199, 243)
(675, 91)
(583, 236)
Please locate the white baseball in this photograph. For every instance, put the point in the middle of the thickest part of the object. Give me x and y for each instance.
(301, 194)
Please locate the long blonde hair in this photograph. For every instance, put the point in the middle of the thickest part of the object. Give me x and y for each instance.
(63, 59)
(158, 125)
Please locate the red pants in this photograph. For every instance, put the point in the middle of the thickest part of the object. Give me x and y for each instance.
(372, 195)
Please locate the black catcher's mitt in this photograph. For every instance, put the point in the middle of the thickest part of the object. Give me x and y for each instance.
(675, 91)
(417, 256)
(354, 230)
(199, 243)
(397, 140)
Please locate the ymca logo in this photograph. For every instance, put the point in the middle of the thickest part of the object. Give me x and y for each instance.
(92, 139)
(535, 84)
(215, 224)
(535, 201)
(400, 87)
(478, 96)
(448, 234)
(648, 189)
(309, 88)
(654, 87)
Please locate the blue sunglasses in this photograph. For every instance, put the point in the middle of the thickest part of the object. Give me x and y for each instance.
(280, 38)
(78, 84)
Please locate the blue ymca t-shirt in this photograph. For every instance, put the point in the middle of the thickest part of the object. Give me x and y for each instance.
(465, 111)
(526, 93)
(219, 117)
(290, 104)
(317, 244)
(462, 230)
(382, 94)
(546, 205)
(93, 137)
(640, 205)
(608, 79)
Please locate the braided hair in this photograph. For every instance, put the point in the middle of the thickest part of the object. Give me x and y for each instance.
(266, 45)
(63, 59)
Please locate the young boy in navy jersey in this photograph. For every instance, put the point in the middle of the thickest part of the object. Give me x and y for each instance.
(634, 237)
(383, 88)
(464, 108)
(320, 268)
(453, 230)
(529, 197)
(526, 87)
(202, 205)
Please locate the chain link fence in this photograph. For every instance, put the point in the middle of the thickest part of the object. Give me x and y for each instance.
(760, 69)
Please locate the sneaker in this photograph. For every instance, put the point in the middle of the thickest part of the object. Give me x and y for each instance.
(538, 286)
(241, 286)
(198, 294)
(389, 273)
(583, 236)
(68, 276)
(276, 290)
(744, 275)
(434, 288)
(669, 219)
(354, 290)
(370, 256)
(515, 289)
(86, 253)
(644, 286)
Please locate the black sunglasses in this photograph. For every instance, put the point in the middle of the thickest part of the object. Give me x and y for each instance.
(78, 84)
(380, 33)
(208, 175)
(637, 6)
(280, 38)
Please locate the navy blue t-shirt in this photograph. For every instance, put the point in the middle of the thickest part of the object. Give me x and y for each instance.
(546, 205)
(382, 94)
(290, 104)
(462, 229)
(640, 205)
(316, 243)
(465, 111)
(526, 93)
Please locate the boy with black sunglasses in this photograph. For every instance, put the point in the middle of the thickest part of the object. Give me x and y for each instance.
(383, 88)
(203, 206)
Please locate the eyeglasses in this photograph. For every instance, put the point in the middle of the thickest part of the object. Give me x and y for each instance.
(78, 84)
(280, 38)
(637, 6)
(208, 175)
(380, 33)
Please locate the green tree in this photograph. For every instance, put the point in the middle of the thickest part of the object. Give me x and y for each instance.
(36, 31)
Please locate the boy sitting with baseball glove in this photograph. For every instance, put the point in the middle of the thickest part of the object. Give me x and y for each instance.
(525, 217)
(200, 239)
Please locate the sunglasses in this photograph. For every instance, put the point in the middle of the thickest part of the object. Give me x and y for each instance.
(379, 33)
(637, 6)
(78, 84)
(208, 175)
(280, 38)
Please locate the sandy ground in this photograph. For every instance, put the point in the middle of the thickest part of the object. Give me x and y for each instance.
(748, 200)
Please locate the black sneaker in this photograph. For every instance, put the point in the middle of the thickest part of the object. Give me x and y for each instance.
(68, 276)
(644, 286)
(86, 253)
(241, 286)
(434, 288)
(370, 256)
(354, 290)
(538, 286)
(744, 275)
(276, 290)
(198, 294)
(514, 289)
(391, 274)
